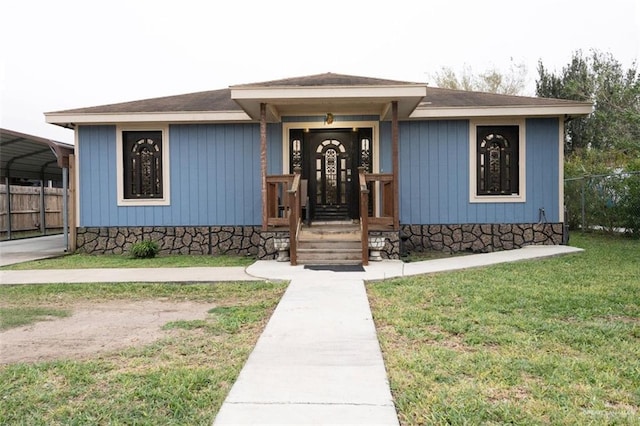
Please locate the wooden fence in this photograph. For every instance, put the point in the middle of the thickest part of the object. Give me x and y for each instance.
(26, 209)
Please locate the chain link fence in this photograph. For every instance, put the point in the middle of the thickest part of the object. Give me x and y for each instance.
(608, 202)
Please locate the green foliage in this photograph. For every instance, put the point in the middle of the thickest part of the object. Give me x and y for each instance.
(600, 78)
(597, 195)
(491, 80)
(144, 249)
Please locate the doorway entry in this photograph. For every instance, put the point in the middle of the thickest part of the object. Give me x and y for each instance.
(329, 160)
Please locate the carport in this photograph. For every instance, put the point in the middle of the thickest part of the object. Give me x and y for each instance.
(31, 157)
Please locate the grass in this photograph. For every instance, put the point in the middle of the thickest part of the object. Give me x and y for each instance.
(180, 379)
(18, 316)
(553, 341)
(84, 261)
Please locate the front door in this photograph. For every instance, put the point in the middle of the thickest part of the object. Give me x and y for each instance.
(332, 175)
(329, 161)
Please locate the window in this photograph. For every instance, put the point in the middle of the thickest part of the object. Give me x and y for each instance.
(142, 155)
(497, 157)
(497, 162)
(142, 167)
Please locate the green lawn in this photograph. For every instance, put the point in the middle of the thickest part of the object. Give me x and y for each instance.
(181, 379)
(553, 341)
(83, 261)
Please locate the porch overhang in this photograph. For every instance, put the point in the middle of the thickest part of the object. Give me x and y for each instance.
(357, 100)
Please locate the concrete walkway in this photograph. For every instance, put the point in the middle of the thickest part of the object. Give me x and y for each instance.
(26, 249)
(318, 360)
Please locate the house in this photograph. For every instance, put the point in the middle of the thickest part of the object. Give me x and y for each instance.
(318, 159)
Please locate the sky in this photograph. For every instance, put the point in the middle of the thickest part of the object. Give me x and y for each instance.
(62, 54)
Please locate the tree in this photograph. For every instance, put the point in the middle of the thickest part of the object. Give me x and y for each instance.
(614, 126)
(491, 80)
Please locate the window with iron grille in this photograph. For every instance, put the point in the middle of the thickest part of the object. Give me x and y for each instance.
(497, 160)
(142, 164)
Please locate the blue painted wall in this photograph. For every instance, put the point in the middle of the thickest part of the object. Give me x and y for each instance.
(434, 175)
(214, 176)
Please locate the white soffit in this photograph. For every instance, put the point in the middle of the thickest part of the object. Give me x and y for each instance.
(335, 99)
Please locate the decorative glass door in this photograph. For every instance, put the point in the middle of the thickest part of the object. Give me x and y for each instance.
(331, 173)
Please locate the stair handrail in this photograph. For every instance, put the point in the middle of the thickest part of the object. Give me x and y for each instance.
(294, 216)
(364, 215)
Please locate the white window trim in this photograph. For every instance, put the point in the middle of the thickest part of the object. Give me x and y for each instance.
(166, 190)
(473, 156)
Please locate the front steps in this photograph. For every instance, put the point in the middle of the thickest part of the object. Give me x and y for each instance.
(330, 243)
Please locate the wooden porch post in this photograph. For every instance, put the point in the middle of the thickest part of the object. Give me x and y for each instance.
(396, 171)
(263, 162)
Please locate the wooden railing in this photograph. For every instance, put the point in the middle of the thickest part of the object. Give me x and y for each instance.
(284, 207)
(382, 199)
(364, 216)
(278, 210)
(294, 217)
(377, 201)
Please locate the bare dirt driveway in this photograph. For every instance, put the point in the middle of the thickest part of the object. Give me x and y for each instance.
(96, 328)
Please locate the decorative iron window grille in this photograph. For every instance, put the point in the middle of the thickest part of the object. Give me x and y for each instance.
(142, 157)
(497, 160)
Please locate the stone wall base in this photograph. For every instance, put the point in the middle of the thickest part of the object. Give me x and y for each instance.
(203, 240)
(252, 241)
(479, 238)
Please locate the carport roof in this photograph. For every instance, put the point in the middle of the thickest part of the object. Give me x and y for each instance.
(31, 157)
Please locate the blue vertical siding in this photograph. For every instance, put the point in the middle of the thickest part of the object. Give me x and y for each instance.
(434, 174)
(97, 182)
(543, 172)
(214, 177)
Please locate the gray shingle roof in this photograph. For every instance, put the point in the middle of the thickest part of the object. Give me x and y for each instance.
(449, 98)
(328, 79)
(213, 100)
(220, 100)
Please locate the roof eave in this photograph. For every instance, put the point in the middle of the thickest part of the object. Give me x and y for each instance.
(575, 110)
(72, 119)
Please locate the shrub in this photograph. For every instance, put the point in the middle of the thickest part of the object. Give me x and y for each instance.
(144, 249)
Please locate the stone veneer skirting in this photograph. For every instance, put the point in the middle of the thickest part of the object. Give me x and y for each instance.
(202, 240)
(480, 238)
(252, 241)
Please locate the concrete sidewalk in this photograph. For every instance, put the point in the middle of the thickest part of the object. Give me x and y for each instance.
(271, 270)
(318, 361)
(26, 249)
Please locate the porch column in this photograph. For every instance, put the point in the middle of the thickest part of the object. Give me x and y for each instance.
(396, 171)
(263, 162)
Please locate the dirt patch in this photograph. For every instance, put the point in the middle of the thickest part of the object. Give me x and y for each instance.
(96, 328)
